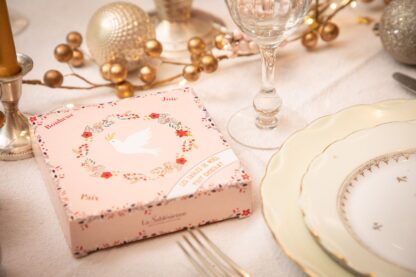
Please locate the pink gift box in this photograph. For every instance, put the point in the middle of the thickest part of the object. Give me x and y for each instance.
(137, 168)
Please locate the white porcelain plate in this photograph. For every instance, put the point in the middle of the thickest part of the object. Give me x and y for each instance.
(281, 183)
(359, 200)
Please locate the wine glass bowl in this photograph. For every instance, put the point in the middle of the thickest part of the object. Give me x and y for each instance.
(268, 23)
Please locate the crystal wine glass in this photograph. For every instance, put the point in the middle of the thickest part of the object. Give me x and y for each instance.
(268, 23)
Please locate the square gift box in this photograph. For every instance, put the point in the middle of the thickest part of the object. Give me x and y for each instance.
(137, 168)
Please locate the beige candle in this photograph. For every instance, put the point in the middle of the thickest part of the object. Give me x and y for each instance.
(8, 60)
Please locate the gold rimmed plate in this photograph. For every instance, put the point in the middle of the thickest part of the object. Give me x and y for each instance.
(281, 184)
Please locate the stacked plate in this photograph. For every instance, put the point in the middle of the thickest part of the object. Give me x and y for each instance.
(340, 195)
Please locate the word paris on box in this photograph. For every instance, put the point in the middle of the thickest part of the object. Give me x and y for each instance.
(137, 168)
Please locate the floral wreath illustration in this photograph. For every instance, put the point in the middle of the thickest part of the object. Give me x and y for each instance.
(100, 171)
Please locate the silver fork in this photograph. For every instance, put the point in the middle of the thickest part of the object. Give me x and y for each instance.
(206, 257)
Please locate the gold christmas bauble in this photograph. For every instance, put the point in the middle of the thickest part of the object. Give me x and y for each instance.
(77, 58)
(190, 72)
(124, 90)
(105, 71)
(196, 45)
(209, 63)
(118, 73)
(63, 53)
(219, 41)
(310, 40)
(153, 48)
(329, 31)
(147, 74)
(53, 78)
(74, 39)
(117, 33)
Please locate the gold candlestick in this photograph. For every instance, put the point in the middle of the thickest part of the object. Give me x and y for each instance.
(8, 61)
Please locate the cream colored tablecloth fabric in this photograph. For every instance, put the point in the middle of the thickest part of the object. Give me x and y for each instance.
(354, 69)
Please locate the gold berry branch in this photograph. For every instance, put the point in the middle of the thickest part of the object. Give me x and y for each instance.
(234, 45)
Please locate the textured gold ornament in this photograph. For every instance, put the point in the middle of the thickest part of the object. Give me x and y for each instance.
(117, 33)
(329, 31)
(74, 39)
(219, 41)
(310, 40)
(118, 73)
(147, 74)
(124, 90)
(209, 63)
(63, 53)
(153, 48)
(53, 78)
(105, 71)
(77, 58)
(196, 45)
(190, 72)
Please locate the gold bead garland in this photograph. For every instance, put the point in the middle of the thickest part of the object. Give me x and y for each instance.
(319, 26)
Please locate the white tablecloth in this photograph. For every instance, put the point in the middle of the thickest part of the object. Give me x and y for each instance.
(353, 69)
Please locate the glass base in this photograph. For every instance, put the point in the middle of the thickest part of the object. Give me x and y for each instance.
(242, 128)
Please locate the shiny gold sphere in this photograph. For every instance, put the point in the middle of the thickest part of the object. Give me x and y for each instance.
(196, 45)
(147, 74)
(77, 58)
(209, 63)
(329, 31)
(105, 71)
(63, 53)
(53, 78)
(74, 39)
(219, 41)
(117, 33)
(118, 73)
(124, 90)
(153, 48)
(310, 40)
(2, 120)
(190, 72)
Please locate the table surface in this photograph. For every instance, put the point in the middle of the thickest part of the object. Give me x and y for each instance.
(354, 69)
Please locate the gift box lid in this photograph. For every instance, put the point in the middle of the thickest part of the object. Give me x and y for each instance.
(132, 152)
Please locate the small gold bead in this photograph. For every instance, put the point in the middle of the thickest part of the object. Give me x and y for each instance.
(153, 48)
(118, 73)
(219, 41)
(209, 63)
(77, 58)
(329, 31)
(190, 72)
(147, 74)
(74, 39)
(105, 71)
(124, 90)
(196, 45)
(310, 40)
(63, 53)
(53, 78)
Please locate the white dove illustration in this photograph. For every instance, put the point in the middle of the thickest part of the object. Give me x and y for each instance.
(133, 144)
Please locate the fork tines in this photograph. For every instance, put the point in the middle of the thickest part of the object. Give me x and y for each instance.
(206, 257)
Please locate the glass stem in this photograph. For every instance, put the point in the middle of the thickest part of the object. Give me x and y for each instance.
(267, 103)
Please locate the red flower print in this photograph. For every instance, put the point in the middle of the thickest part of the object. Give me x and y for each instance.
(86, 134)
(106, 174)
(182, 133)
(32, 119)
(246, 212)
(180, 160)
(154, 115)
(245, 176)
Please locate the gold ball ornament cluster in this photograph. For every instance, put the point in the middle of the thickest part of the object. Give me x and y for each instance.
(117, 33)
